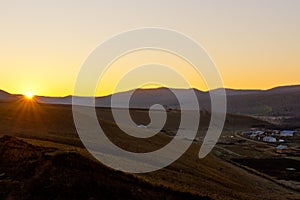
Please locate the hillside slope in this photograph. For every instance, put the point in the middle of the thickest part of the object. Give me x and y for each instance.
(280, 101)
(33, 172)
(36, 167)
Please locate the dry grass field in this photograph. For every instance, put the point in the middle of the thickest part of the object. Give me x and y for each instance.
(41, 156)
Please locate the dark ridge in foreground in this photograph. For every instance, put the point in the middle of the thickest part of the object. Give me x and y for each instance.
(32, 172)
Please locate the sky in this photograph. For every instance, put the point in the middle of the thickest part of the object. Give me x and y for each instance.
(255, 43)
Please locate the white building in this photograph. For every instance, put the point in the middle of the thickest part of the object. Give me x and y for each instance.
(259, 132)
(141, 126)
(269, 139)
(287, 133)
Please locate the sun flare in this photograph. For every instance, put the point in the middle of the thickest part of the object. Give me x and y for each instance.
(29, 95)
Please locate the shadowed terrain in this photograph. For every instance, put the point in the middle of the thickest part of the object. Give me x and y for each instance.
(34, 172)
(279, 101)
(52, 158)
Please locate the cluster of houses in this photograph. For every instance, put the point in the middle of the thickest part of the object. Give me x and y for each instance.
(271, 136)
(268, 135)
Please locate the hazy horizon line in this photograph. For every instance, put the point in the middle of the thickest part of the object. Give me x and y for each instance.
(227, 88)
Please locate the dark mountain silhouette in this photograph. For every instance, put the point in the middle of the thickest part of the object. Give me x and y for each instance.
(279, 101)
(5, 96)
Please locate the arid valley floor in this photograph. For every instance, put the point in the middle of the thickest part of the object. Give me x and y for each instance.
(41, 156)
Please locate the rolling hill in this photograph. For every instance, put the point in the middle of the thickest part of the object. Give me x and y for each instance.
(280, 101)
(41, 156)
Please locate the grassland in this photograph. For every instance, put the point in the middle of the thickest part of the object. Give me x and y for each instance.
(43, 157)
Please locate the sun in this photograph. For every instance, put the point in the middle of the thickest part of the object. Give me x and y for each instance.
(29, 95)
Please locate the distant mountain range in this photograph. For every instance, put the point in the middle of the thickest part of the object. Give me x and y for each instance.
(279, 101)
(5, 96)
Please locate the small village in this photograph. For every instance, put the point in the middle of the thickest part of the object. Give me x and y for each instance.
(282, 139)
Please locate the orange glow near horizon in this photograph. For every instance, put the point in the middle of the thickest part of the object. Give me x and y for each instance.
(29, 95)
(169, 70)
(254, 44)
